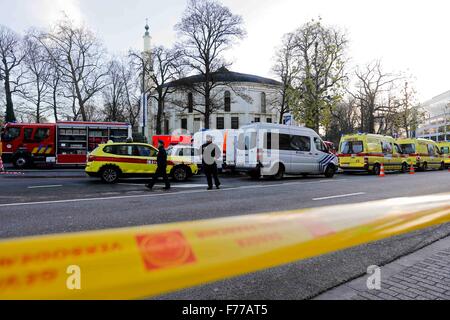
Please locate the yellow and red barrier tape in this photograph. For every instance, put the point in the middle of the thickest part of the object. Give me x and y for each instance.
(150, 261)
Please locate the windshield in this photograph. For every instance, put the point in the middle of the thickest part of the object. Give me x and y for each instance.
(11, 134)
(352, 147)
(408, 148)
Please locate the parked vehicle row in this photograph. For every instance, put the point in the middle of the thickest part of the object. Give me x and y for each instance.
(260, 150)
(368, 152)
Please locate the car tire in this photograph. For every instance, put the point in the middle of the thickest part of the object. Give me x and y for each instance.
(110, 175)
(21, 162)
(376, 170)
(404, 168)
(180, 174)
(442, 167)
(280, 173)
(330, 171)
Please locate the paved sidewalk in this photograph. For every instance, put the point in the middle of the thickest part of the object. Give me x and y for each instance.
(422, 275)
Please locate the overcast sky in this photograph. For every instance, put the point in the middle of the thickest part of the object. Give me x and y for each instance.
(408, 35)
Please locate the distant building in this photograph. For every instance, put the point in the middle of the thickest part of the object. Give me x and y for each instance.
(437, 123)
(240, 99)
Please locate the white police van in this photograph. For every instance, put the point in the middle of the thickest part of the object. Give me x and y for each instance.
(272, 150)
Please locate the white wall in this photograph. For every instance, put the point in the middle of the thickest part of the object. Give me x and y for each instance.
(245, 110)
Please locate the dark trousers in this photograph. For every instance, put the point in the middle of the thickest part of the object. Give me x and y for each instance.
(211, 172)
(160, 172)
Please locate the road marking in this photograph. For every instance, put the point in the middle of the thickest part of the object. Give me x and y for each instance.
(47, 186)
(340, 196)
(186, 186)
(160, 194)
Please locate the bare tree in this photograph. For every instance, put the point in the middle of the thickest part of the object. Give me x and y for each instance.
(344, 119)
(79, 57)
(113, 92)
(207, 29)
(131, 94)
(373, 94)
(409, 112)
(11, 57)
(286, 68)
(320, 53)
(36, 88)
(167, 67)
(56, 89)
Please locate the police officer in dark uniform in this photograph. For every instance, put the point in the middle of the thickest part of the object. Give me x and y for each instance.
(161, 171)
(210, 153)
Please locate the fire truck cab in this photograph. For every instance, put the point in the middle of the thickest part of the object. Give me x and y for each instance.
(62, 143)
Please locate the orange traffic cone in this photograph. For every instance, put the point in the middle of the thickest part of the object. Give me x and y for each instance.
(412, 170)
(382, 174)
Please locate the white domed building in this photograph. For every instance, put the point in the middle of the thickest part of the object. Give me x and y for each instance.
(238, 99)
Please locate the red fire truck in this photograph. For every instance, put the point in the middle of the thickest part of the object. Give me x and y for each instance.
(62, 143)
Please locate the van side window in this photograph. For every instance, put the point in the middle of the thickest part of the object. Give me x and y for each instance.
(276, 141)
(120, 150)
(386, 147)
(320, 146)
(430, 149)
(285, 142)
(300, 143)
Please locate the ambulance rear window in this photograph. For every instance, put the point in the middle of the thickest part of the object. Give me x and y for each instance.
(352, 147)
(408, 148)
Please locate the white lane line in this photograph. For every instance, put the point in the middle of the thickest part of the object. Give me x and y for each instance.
(157, 195)
(340, 196)
(186, 186)
(47, 186)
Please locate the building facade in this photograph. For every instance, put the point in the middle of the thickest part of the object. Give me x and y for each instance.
(239, 99)
(437, 123)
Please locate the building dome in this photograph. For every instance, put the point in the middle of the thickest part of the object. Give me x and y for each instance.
(226, 76)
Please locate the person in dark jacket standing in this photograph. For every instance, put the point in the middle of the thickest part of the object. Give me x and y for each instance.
(161, 170)
(210, 153)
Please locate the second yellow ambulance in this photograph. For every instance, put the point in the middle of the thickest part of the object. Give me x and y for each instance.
(422, 153)
(367, 152)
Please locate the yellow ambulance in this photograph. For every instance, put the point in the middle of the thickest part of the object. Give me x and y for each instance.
(367, 152)
(445, 151)
(422, 153)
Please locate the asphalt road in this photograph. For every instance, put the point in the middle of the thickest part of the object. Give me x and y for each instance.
(47, 202)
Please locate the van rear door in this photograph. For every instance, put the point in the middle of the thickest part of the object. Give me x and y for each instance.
(247, 149)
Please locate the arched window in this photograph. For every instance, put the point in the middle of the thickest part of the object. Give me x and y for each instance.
(190, 102)
(227, 99)
(263, 103)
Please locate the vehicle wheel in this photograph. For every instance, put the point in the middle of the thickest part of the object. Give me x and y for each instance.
(110, 175)
(280, 173)
(376, 170)
(404, 168)
(330, 172)
(21, 162)
(442, 167)
(180, 174)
